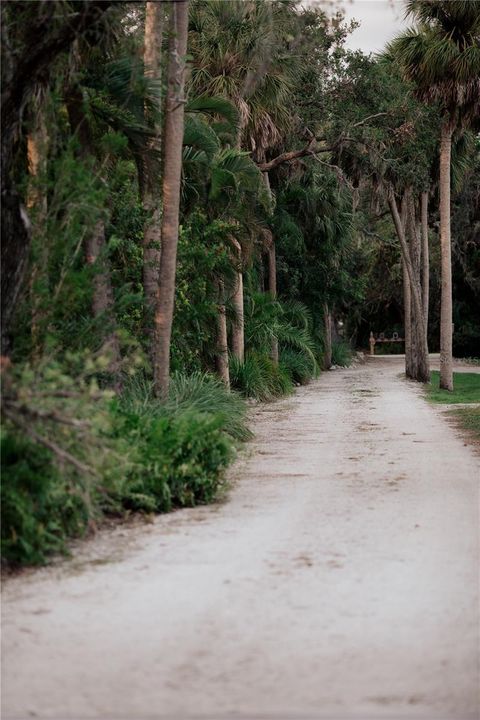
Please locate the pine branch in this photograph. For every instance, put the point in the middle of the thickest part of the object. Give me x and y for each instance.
(49, 444)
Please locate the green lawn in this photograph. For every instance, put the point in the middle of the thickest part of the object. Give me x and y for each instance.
(466, 389)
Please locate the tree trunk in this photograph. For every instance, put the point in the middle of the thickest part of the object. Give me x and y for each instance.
(103, 300)
(327, 353)
(173, 142)
(222, 340)
(238, 327)
(407, 297)
(407, 313)
(272, 264)
(272, 287)
(37, 151)
(150, 185)
(425, 259)
(446, 357)
(421, 369)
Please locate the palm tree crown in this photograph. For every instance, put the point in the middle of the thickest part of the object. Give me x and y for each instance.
(441, 55)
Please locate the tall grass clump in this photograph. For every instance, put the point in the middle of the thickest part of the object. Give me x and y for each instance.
(341, 353)
(259, 377)
(299, 366)
(199, 392)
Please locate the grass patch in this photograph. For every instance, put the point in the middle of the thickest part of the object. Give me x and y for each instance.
(466, 389)
(468, 419)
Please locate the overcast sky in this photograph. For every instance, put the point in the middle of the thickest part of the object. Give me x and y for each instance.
(380, 21)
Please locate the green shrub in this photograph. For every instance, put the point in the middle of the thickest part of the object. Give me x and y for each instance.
(298, 365)
(182, 445)
(259, 377)
(179, 458)
(39, 509)
(114, 453)
(341, 353)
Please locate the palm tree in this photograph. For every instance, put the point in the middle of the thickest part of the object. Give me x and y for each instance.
(425, 256)
(173, 143)
(235, 45)
(441, 57)
(231, 187)
(150, 182)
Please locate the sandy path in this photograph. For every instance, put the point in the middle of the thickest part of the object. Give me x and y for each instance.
(340, 581)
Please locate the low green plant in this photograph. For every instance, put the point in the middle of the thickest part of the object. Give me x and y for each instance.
(341, 353)
(259, 377)
(40, 508)
(179, 459)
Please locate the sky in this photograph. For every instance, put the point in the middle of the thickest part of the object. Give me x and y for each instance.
(380, 21)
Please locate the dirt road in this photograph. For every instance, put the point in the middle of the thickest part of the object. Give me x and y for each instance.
(340, 580)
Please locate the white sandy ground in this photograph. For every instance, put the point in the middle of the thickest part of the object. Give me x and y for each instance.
(340, 580)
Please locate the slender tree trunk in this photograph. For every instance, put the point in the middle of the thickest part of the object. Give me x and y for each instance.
(222, 340)
(173, 141)
(327, 321)
(37, 151)
(150, 186)
(272, 288)
(413, 248)
(407, 298)
(446, 310)
(238, 328)
(425, 259)
(421, 371)
(103, 300)
(421, 368)
(272, 269)
(407, 313)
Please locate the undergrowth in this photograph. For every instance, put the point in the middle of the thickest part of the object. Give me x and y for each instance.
(73, 454)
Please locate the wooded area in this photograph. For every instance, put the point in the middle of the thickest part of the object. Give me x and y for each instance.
(209, 201)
